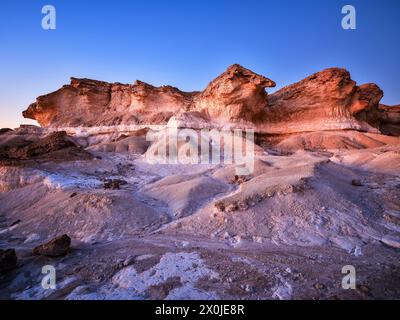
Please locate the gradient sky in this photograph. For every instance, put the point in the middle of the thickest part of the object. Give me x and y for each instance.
(187, 43)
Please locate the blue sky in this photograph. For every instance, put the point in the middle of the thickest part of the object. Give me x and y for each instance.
(186, 43)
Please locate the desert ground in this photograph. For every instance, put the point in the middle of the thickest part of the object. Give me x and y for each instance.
(324, 194)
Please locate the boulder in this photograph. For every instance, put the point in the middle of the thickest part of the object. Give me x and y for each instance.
(114, 184)
(8, 260)
(57, 247)
(56, 146)
(5, 130)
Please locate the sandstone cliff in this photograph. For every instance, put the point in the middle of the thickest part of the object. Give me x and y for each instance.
(89, 103)
(237, 94)
(326, 100)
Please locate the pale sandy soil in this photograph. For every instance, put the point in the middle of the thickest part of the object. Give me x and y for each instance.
(199, 232)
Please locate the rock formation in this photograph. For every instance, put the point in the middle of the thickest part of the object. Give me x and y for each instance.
(88, 102)
(57, 247)
(8, 260)
(386, 118)
(326, 100)
(317, 192)
(237, 94)
(22, 149)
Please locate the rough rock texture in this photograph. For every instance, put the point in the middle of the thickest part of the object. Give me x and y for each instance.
(57, 247)
(327, 100)
(390, 120)
(57, 146)
(8, 260)
(366, 98)
(88, 102)
(237, 94)
(5, 130)
(385, 118)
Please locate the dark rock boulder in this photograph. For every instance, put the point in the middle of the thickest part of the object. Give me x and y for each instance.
(5, 130)
(8, 260)
(57, 247)
(57, 146)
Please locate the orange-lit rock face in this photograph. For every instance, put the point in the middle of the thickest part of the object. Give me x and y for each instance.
(89, 103)
(237, 94)
(366, 98)
(327, 100)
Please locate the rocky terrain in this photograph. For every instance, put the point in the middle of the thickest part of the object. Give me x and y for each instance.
(79, 192)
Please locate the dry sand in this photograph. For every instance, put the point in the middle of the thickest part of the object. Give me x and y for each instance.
(201, 232)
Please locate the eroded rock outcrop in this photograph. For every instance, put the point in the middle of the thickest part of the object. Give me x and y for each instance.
(8, 260)
(386, 118)
(89, 103)
(237, 94)
(326, 100)
(26, 149)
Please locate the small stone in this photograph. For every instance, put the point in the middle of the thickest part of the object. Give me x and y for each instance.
(237, 239)
(298, 276)
(248, 288)
(365, 289)
(258, 239)
(114, 184)
(185, 244)
(356, 183)
(231, 208)
(226, 235)
(57, 247)
(319, 286)
(219, 206)
(8, 260)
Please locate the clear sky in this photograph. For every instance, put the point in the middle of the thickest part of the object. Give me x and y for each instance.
(186, 43)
